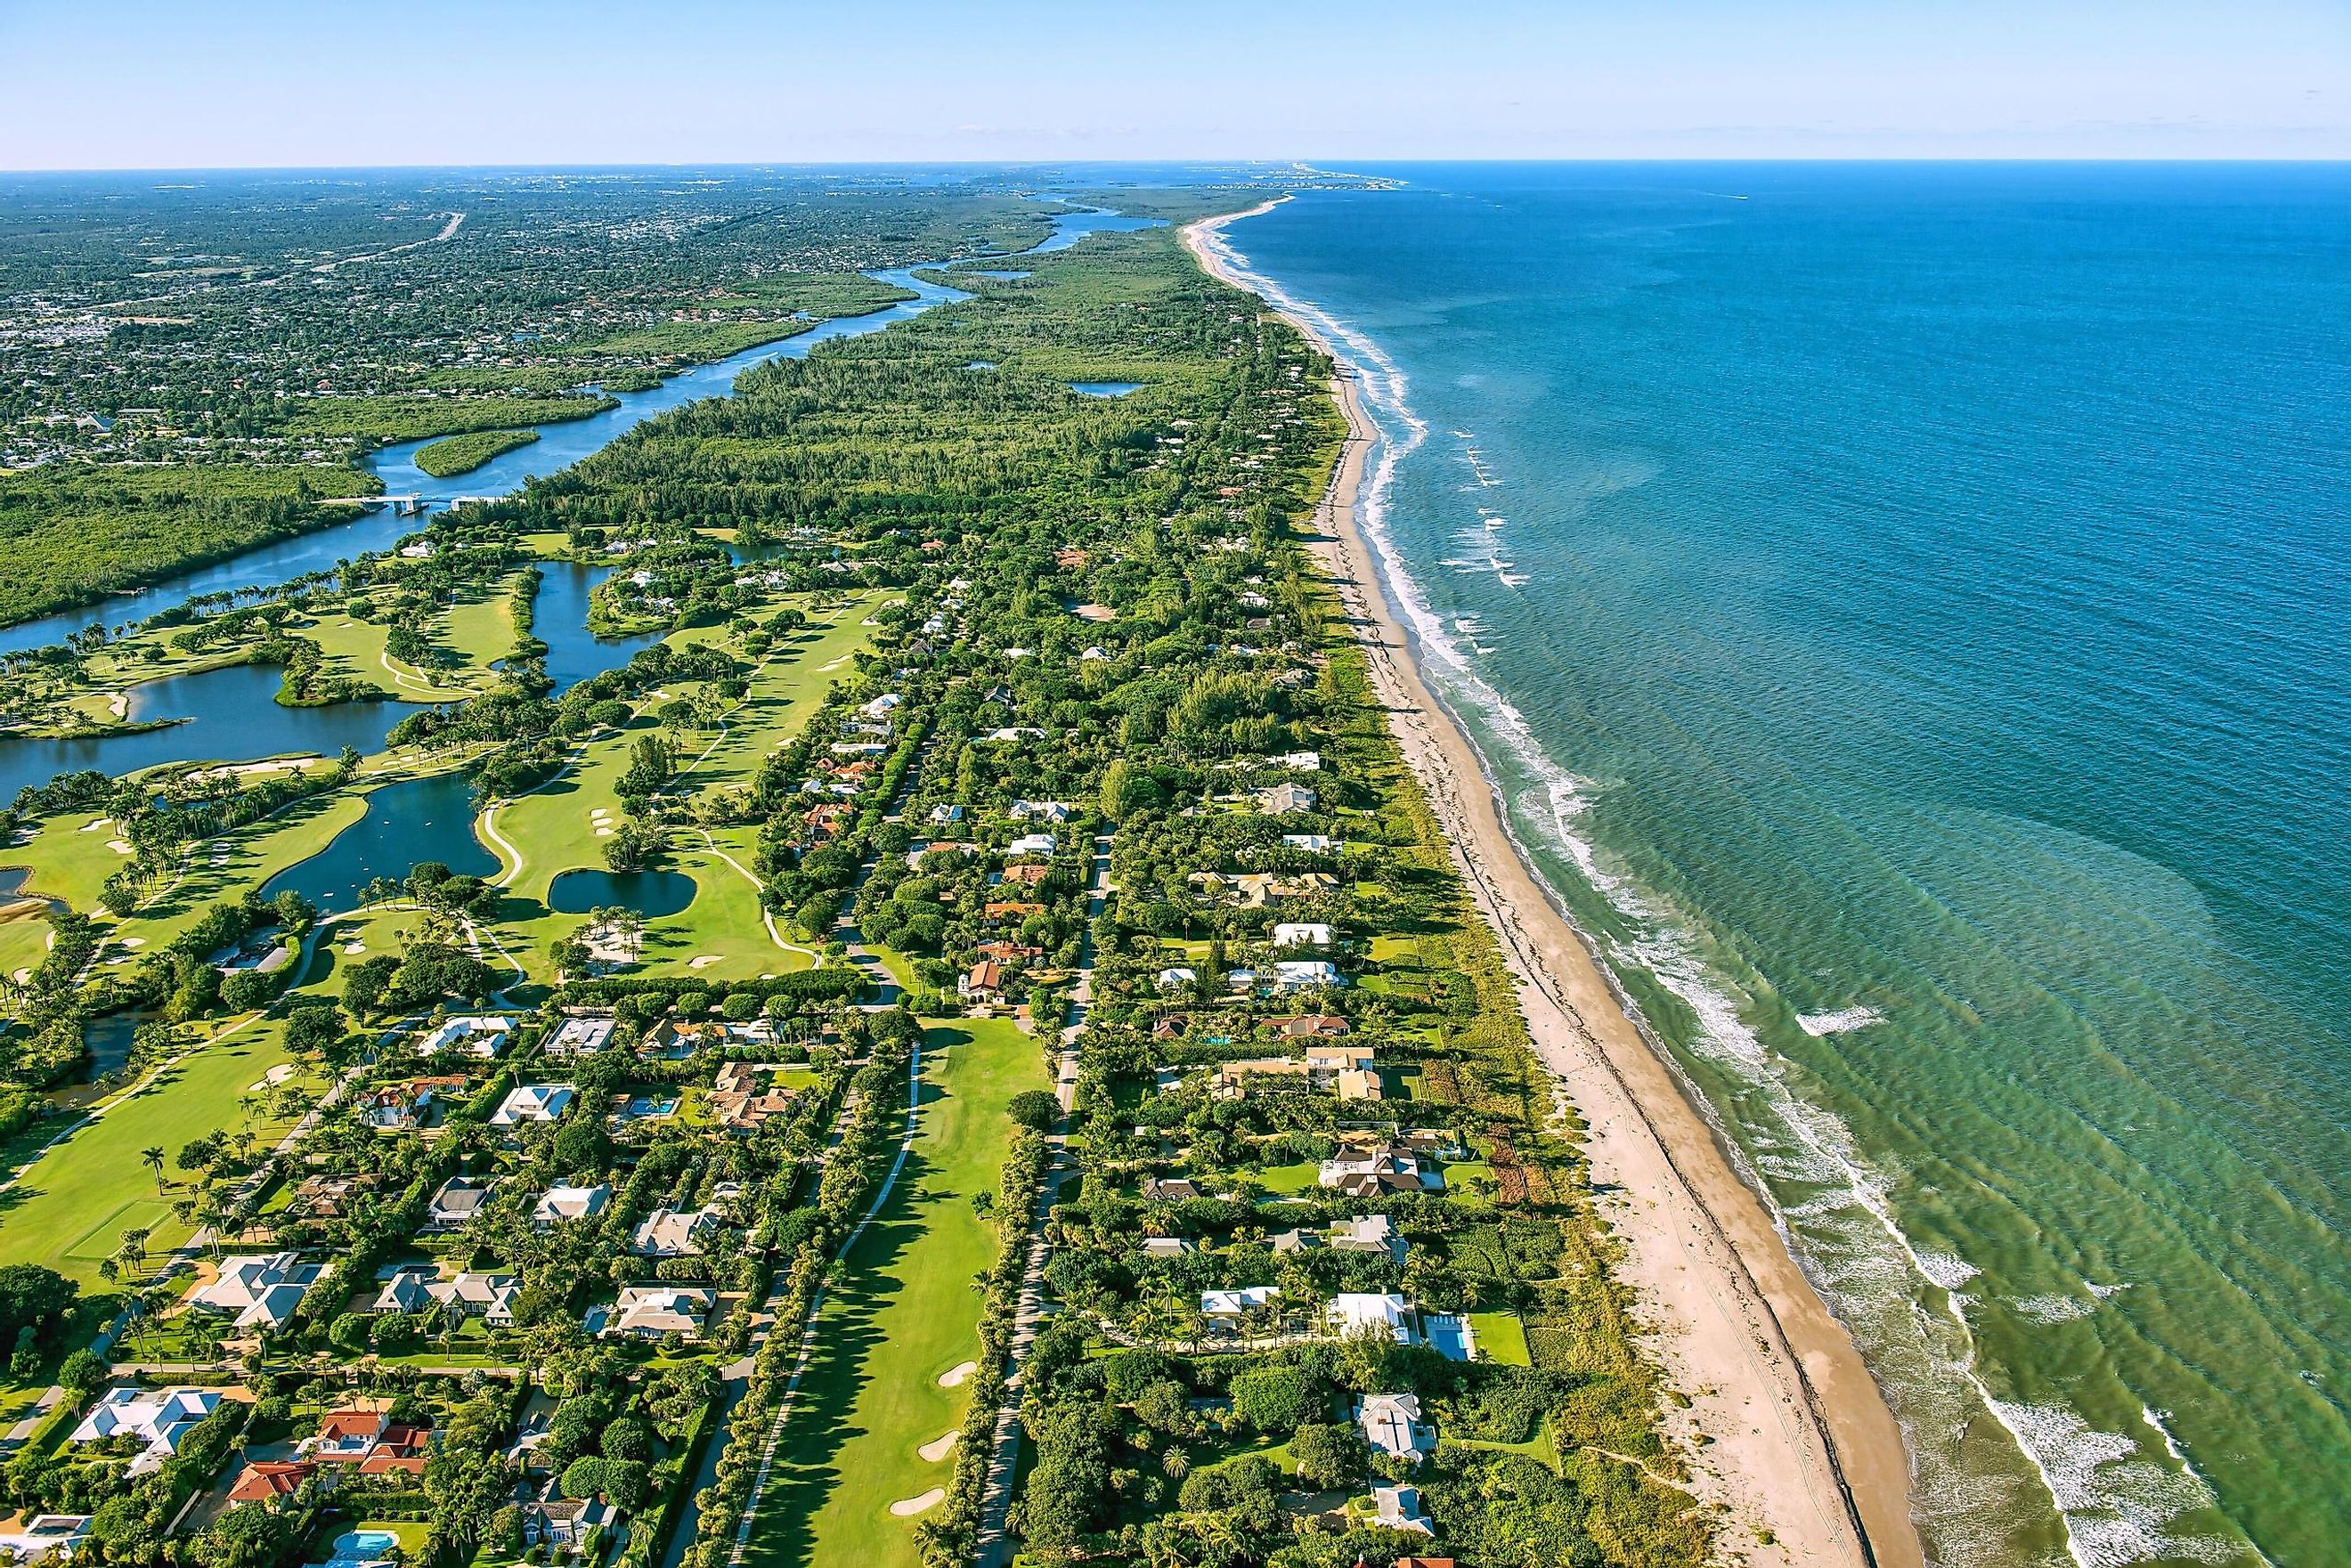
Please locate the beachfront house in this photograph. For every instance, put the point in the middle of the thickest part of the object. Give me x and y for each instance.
(1284, 798)
(1391, 1425)
(1356, 1312)
(1376, 1174)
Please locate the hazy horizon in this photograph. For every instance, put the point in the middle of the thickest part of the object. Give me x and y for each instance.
(269, 85)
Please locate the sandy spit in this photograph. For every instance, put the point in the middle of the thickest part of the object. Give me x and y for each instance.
(1802, 1444)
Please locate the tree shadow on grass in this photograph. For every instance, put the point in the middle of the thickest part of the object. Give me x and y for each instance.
(850, 1351)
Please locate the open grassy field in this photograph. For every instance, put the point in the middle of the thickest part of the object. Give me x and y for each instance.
(903, 1314)
(1503, 1337)
(69, 1208)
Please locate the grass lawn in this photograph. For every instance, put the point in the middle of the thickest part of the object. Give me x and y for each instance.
(225, 867)
(906, 1314)
(69, 1208)
(1501, 1337)
(1297, 1177)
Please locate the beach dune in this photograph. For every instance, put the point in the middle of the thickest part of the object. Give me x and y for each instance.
(1801, 1446)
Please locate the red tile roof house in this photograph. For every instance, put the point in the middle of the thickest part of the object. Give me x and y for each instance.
(372, 1441)
(264, 1479)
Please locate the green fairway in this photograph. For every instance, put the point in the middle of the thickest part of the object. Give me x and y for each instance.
(69, 1208)
(553, 829)
(905, 1313)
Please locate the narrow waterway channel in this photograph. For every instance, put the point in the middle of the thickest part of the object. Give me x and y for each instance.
(557, 446)
(233, 713)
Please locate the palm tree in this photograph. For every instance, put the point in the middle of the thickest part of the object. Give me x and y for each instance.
(152, 1156)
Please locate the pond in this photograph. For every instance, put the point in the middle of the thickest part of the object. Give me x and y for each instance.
(652, 893)
(233, 715)
(420, 819)
(1105, 389)
(560, 620)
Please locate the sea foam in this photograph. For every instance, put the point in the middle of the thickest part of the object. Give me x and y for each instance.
(2113, 1501)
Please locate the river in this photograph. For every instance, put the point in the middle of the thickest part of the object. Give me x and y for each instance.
(233, 715)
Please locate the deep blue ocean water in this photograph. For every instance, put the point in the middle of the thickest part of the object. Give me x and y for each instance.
(1909, 611)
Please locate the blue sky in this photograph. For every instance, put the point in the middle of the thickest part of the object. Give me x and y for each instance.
(137, 84)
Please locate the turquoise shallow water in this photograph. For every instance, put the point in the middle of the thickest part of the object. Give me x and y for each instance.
(1909, 611)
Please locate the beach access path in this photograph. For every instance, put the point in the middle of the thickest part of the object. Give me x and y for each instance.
(1802, 1448)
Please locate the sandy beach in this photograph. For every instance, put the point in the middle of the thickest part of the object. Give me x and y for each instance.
(1801, 1448)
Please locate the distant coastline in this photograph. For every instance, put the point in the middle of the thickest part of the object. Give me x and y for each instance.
(1800, 1443)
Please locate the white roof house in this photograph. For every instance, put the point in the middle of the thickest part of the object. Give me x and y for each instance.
(654, 1312)
(1306, 974)
(1352, 1313)
(532, 1103)
(673, 1233)
(1399, 1509)
(483, 1036)
(1032, 844)
(1236, 1303)
(559, 1203)
(1302, 933)
(259, 1291)
(159, 1417)
(46, 1537)
(1312, 843)
(579, 1037)
(1391, 1423)
(1043, 810)
(1169, 979)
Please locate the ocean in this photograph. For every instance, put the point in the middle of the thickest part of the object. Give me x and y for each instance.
(1908, 611)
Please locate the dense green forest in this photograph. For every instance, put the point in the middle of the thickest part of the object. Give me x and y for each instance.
(70, 531)
(463, 454)
(256, 328)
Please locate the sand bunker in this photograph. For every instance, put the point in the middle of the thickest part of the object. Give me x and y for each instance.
(938, 1448)
(907, 1507)
(702, 960)
(117, 846)
(953, 1376)
(354, 948)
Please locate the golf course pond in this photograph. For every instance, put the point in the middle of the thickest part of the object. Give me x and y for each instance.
(418, 820)
(652, 893)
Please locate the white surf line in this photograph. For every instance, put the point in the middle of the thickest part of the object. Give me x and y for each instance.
(816, 1308)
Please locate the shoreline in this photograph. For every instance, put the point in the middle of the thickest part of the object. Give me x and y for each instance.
(1801, 1442)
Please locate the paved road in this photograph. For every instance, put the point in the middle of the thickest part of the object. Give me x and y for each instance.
(992, 1548)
